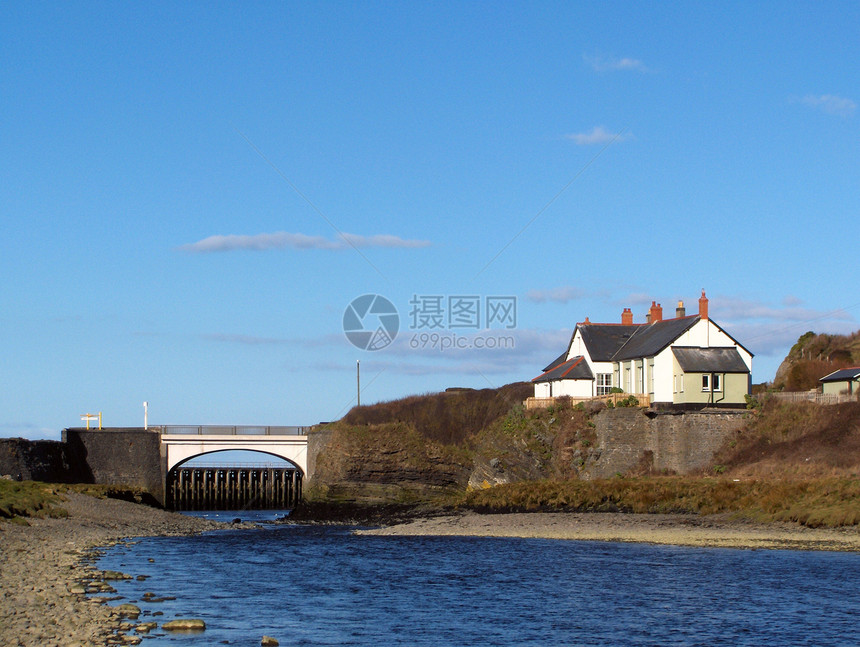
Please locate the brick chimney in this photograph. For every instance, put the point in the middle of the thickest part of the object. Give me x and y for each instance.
(627, 317)
(703, 306)
(680, 311)
(586, 322)
(655, 314)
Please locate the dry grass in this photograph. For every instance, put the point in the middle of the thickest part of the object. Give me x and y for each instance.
(817, 503)
(450, 417)
(796, 440)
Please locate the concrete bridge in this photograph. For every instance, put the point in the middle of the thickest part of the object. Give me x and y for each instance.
(156, 459)
(182, 443)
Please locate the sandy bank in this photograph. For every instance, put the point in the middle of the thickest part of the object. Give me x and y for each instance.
(41, 564)
(679, 530)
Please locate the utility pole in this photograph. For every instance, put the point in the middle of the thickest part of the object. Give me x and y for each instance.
(358, 381)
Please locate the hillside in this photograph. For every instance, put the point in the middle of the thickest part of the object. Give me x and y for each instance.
(449, 417)
(484, 451)
(795, 440)
(813, 357)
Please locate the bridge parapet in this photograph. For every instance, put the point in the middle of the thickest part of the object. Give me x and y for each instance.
(180, 447)
(232, 430)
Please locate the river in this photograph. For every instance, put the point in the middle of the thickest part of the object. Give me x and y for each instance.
(322, 585)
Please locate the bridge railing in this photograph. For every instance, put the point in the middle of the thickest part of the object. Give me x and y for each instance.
(234, 430)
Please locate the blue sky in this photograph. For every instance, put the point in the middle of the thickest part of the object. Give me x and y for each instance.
(191, 194)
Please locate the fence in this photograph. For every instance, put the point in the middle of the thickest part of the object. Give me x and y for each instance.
(811, 396)
(643, 400)
(235, 430)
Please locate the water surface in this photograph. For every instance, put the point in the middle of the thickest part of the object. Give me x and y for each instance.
(322, 585)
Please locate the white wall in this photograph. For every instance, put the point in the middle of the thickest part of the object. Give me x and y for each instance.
(573, 388)
(664, 374)
(577, 347)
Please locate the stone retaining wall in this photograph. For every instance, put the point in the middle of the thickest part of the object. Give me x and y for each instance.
(681, 443)
(122, 456)
(38, 460)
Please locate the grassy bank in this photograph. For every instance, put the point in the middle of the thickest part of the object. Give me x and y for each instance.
(827, 502)
(22, 499)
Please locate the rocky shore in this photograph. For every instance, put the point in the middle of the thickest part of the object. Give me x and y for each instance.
(42, 566)
(46, 567)
(680, 530)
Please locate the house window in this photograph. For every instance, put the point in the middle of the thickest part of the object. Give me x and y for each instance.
(604, 383)
(717, 382)
(706, 382)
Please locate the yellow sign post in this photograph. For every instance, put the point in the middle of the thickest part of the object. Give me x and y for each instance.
(92, 416)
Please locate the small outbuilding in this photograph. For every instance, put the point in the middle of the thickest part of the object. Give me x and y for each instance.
(845, 380)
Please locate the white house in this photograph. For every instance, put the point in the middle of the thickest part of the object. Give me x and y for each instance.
(687, 361)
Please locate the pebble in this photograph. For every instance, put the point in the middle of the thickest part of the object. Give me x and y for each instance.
(46, 568)
(184, 624)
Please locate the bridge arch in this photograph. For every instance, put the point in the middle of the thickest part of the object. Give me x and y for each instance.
(203, 487)
(242, 462)
(180, 448)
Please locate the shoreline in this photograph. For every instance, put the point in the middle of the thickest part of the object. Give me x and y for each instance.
(41, 565)
(712, 531)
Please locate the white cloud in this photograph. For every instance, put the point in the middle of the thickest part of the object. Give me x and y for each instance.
(611, 64)
(246, 340)
(28, 430)
(518, 352)
(557, 295)
(831, 104)
(769, 330)
(597, 135)
(637, 299)
(257, 340)
(285, 240)
(739, 309)
(791, 300)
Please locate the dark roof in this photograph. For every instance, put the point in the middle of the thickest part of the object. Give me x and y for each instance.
(650, 339)
(709, 360)
(842, 374)
(604, 340)
(558, 360)
(576, 368)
